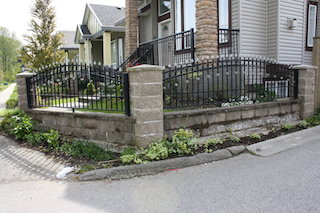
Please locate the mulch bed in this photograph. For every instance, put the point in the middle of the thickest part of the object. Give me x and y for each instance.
(116, 163)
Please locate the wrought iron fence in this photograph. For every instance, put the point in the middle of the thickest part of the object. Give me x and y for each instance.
(227, 82)
(82, 87)
(228, 43)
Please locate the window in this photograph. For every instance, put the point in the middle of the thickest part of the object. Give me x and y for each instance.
(224, 22)
(164, 7)
(312, 24)
(185, 17)
(224, 14)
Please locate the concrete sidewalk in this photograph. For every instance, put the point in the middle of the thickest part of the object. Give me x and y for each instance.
(18, 163)
(280, 144)
(5, 95)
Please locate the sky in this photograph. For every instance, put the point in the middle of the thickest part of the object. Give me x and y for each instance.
(15, 14)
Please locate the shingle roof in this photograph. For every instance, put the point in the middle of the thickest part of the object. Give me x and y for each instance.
(108, 15)
(68, 40)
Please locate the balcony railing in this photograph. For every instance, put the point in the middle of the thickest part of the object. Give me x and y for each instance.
(228, 43)
(179, 48)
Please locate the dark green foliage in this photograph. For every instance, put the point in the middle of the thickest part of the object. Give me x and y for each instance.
(12, 104)
(314, 120)
(264, 95)
(21, 126)
(87, 151)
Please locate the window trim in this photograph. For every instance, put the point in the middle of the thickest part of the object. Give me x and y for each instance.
(309, 48)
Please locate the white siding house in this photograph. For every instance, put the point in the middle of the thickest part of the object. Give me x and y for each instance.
(265, 29)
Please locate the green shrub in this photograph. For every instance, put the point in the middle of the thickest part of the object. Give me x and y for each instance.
(86, 150)
(51, 139)
(91, 89)
(131, 158)
(255, 137)
(303, 124)
(6, 123)
(128, 151)
(314, 120)
(157, 151)
(287, 127)
(12, 104)
(213, 142)
(21, 126)
(234, 139)
(183, 142)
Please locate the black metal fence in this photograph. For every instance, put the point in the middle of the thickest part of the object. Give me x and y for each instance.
(228, 43)
(82, 87)
(227, 82)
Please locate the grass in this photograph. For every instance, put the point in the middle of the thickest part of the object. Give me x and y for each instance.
(3, 87)
(8, 112)
(61, 101)
(110, 104)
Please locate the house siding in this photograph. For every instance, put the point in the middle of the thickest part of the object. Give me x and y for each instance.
(291, 40)
(93, 24)
(272, 28)
(235, 14)
(145, 26)
(253, 27)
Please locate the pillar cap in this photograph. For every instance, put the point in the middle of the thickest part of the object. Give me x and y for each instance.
(145, 68)
(304, 67)
(25, 74)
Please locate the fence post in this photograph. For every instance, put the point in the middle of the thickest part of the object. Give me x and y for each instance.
(306, 89)
(316, 62)
(24, 104)
(193, 57)
(146, 97)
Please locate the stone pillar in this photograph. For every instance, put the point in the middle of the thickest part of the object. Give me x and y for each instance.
(132, 24)
(81, 53)
(207, 28)
(88, 51)
(316, 62)
(22, 89)
(107, 48)
(146, 97)
(307, 76)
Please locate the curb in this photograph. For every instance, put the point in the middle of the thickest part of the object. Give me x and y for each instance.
(125, 172)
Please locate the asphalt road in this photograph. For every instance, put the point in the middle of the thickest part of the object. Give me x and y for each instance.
(286, 182)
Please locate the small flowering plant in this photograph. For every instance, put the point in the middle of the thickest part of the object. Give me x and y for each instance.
(243, 100)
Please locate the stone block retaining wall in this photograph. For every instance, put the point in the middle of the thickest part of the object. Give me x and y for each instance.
(102, 127)
(216, 121)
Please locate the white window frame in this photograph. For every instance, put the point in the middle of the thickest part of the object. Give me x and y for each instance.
(312, 24)
(274, 86)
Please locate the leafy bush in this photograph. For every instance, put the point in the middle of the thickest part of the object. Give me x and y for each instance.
(131, 158)
(21, 126)
(183, 142)
(157, 151)
(255, 137)
(91, 89)
(303, 124)
(234, 139)
(213, 142)
(12, 103)
(264, 95)
(314, 120)
(86, 150)
(287, 127)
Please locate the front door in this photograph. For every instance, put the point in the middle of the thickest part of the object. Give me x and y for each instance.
(164, 47)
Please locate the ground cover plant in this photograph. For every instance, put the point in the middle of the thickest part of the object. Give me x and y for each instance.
(12, 103)
(91, 156)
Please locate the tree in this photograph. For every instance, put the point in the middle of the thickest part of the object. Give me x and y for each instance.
(9, 46)
(43, 43)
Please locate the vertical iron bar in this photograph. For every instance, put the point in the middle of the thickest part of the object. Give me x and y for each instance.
(126, 93)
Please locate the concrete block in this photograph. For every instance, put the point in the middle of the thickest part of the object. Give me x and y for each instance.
(217, 118)
(247, 114)
(261, 112)
(231, 116)
(89, 123)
